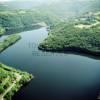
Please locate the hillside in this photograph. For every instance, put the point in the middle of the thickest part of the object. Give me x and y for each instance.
(25, 18)
(82, 35)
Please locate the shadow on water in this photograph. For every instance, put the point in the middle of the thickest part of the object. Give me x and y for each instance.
(19, 30)
(77, 52)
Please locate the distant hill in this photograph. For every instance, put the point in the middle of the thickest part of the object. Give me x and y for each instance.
(71, 8)
(62, 8)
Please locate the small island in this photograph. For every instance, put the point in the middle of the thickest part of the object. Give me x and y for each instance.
(10, 40)
(11, 80)
(81, 35)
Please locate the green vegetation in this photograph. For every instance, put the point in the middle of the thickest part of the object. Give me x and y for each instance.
(2, 31)
(25, 18)
(9, 41)
(11, 80)
(74, 36)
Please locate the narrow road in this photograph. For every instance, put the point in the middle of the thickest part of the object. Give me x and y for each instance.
(18, 78)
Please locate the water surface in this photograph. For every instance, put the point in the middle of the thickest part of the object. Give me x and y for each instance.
(57, 76)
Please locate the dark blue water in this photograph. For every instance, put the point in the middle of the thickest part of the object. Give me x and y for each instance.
(57, 76)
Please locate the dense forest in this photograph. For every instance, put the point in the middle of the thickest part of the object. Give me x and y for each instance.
(24, 18)
(81, 35)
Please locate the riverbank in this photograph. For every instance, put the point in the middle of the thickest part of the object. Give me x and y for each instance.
(10, 40)
(11, 80)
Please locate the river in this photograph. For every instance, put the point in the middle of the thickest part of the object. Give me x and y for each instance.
(57, 76)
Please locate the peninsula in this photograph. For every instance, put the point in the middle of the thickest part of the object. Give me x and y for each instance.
(11, 80)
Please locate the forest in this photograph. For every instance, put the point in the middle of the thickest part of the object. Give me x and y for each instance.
(80, 35)
(24, 18)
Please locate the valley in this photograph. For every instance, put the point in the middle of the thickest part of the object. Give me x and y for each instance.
(50, 50)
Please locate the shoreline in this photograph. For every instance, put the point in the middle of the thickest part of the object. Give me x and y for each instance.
(8, 42)
(71, 49)
(19, 79)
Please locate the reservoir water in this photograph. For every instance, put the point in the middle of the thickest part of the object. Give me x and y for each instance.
(58, 76)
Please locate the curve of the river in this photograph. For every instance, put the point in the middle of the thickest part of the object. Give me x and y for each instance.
(57, 76)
